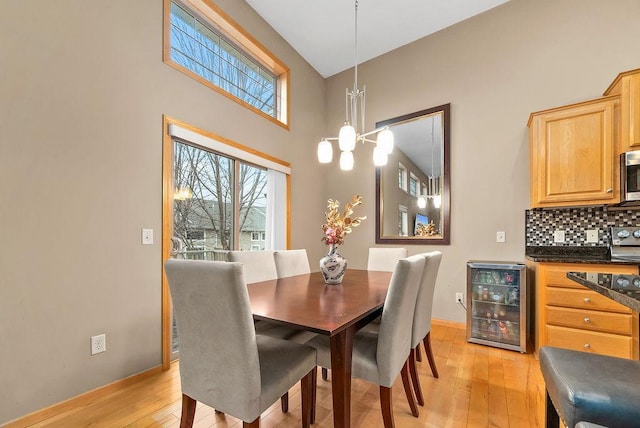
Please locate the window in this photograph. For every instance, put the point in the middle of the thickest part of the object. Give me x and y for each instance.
(403, 221)
(218, 196)
(206, 44)
(402, 177)
(414, 185)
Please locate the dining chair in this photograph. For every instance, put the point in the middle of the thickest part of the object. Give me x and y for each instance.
(215, 324)
(291, 262)
(421, 329)
(385, 258)
(380, 357)
(258, 265)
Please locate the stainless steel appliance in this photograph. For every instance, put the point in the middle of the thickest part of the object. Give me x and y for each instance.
(625, 243)
(630, 176)
(497, 304)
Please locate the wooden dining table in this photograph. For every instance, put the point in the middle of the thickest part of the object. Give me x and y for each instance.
(305, 302)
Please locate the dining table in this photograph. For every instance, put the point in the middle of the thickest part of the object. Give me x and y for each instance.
(305, 302)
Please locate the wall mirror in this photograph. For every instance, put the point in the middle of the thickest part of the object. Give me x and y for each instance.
(412, 189)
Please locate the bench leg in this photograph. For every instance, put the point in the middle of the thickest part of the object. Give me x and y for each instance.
(551, 414)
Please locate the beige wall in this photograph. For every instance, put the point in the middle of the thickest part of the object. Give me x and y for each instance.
(82, 92)
(494, 69)
(82, 95)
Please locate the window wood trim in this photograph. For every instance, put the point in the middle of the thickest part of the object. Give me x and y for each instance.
(225, 24)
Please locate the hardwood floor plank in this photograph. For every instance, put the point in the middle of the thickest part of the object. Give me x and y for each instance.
(479, 386)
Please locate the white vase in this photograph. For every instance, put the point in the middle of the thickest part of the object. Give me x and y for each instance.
(333, 266)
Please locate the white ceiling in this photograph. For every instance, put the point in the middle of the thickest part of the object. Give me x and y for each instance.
(323, 31)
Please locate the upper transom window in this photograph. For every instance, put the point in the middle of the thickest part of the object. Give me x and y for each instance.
(204, 43)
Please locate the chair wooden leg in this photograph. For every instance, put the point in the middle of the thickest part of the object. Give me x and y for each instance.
(314, 395)
(188, 411)
(387, 406)
(414, 377)
(284, 402)
(253, 424)
(325, 374)
(552, 419)
(418, 353)
(407, 389)
(429, 352)
(306, 390)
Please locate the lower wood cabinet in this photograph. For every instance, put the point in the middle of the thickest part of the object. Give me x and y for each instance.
(569, 315)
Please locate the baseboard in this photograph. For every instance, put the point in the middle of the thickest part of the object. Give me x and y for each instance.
(447, 323)
(80, 400)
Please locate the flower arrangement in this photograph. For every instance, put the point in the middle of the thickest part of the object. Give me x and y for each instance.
(338, 225)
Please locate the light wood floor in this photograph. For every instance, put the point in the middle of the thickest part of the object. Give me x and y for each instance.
(479, 386)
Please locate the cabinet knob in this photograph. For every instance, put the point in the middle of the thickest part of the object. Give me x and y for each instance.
(587, 300)
(587, 346)
(609, 190)
(587, 320)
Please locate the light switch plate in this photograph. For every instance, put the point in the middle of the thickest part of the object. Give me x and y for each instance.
(500, 237)
(592, 235)
(147, 236)
(558, 236)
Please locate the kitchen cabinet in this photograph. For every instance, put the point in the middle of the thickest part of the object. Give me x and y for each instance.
(574, 155)
(569, 315)
(627, 86)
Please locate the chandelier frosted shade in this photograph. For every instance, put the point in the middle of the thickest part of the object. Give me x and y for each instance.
(379, 156)
(422, 202)
(347, 138)
(325, 151)
(437, 200)
(385, 140)
(346, 161)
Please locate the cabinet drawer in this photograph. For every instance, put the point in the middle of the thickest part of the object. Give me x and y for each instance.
(607, 322)
(583, 299)
(590, 341)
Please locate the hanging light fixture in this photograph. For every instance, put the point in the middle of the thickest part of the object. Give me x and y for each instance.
(434, 181)
(352, 131)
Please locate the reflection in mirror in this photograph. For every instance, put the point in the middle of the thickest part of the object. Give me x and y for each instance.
(412, 189)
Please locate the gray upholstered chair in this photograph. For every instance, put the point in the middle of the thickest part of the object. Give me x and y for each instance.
(380, 358)
(291, 262)
(258, 265)
(213, 316)
(385, 258)
(421, 331)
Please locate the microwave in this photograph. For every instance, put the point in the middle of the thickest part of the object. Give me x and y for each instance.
(630, 176)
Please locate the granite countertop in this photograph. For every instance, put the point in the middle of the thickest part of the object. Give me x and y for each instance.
(624, 289)
(574, 254)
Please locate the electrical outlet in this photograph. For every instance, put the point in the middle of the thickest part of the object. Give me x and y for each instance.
(459, 297)
(501, 237)
(98, 344)
(558, 236)
(592, 235)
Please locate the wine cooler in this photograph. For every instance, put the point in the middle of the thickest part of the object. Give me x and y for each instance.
(496, 304)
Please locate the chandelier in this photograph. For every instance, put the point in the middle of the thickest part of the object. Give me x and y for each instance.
(352, 131)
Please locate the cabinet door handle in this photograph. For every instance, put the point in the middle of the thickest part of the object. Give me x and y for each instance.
(609, 190)
(587, 300)
(587, 320)
(587, 346)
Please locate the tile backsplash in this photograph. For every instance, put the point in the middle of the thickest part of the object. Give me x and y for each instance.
(540, 224)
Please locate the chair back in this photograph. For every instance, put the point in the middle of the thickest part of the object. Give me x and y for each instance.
(385, 259)
(291, 262)
(258, 265)
(424, 302)
(219, 363)
(394, 337)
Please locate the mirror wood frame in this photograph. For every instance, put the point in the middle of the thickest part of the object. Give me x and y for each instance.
(444, 237)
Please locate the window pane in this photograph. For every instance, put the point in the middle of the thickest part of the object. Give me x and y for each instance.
(253, 206)
(201, 50)
(202, 207)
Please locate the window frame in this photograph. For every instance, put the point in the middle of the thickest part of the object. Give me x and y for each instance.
(224, 24)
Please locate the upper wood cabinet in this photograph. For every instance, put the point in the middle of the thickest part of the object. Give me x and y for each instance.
(573, 154)
(627, 86)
